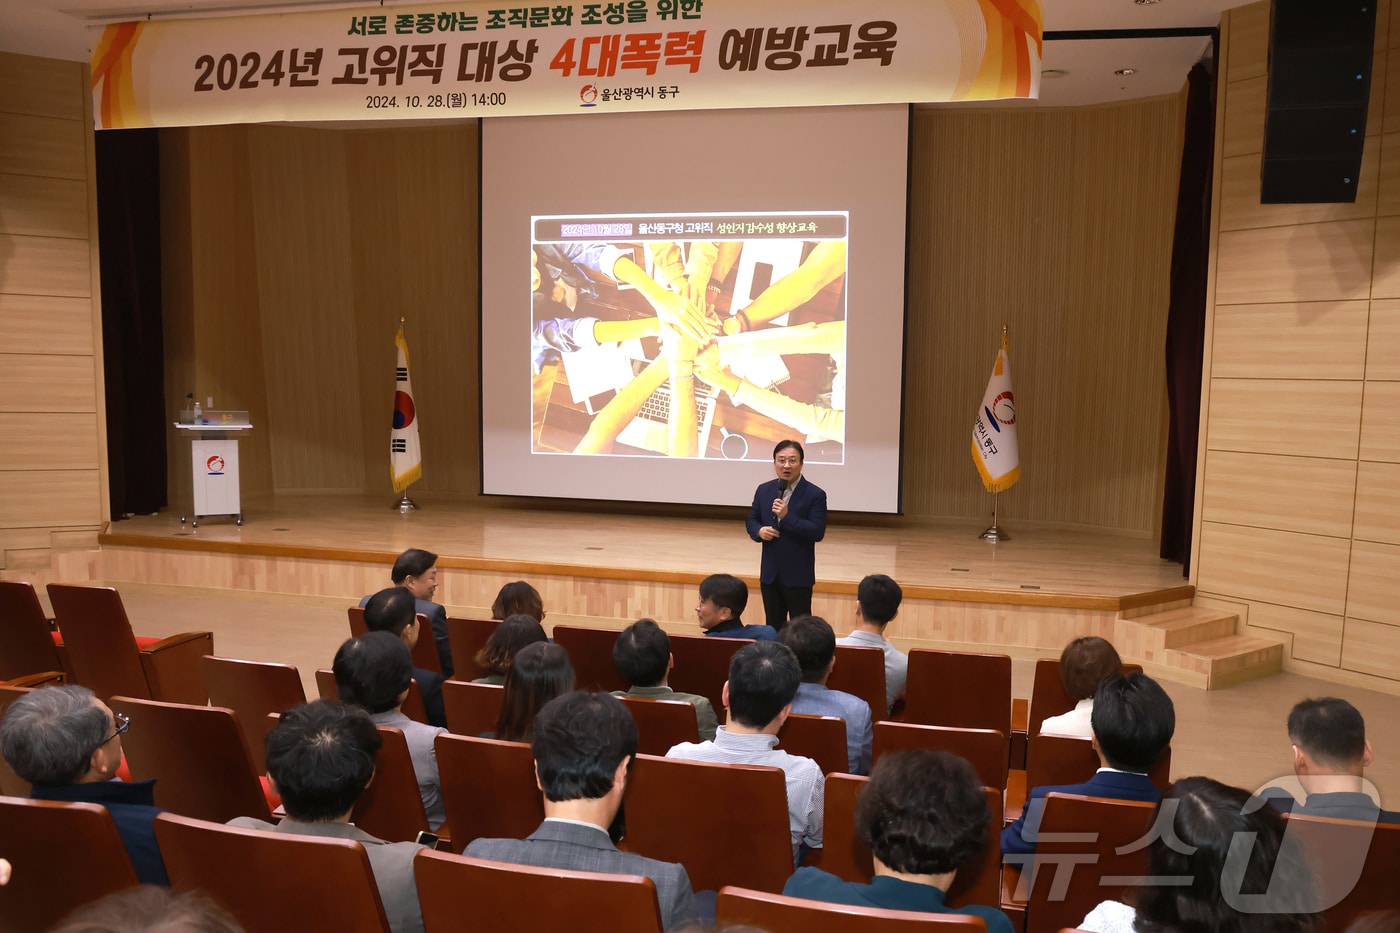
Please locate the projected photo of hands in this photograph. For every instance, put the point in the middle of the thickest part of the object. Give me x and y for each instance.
(689, 335)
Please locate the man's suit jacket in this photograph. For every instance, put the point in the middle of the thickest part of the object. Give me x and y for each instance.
(437, 620)
(791, 558)
(1116, 785)
(581, 848)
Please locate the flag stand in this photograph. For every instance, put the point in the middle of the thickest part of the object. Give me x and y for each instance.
(992, 534)
(405, 505)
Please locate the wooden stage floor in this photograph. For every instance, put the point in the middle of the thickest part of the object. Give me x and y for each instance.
(938, 560)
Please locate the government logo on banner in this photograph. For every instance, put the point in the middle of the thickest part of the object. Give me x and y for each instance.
(994, 429)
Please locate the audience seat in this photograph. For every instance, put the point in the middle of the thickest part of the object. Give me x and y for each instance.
(962, 689)
(488, 789)
(274, 881)
(471, 708)
(467, 637)
(502, 898)
(702, 665)
(747, 840)
(1048, 698)
(662, 724)
(985, 749)
(64, 855)
(742, 906)
(1083, 842)
(27, 645)
(820, 738)
(861, 671)
(425, 654)
(1063, 759)
(254, 690)
(412, 705)
(1354, 864)
(107, 658)
(198, 756)
(591, 653)
(391, 807)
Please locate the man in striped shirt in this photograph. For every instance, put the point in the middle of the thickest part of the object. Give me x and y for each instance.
(763, 679)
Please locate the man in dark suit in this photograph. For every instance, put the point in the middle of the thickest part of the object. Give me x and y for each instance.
(392, 610)
(584, 745)
(788, 518)
(1133, 721)
(416, 571)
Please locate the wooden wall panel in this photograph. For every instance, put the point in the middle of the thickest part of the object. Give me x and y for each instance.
(1385, 279)
(1310, 262)
(1278, 567)
(1243, 131)
(1380, 422)
(34, 383)
(51, 498)
(1241, 209)
(45, 265)
(42, 146)
(1248, 42)
(43, 324)
(1377, 502)
(42, 87)
(43, 206)
(1388, 198)
(1317, 637)
(1302, 494)
(48, 441)
(1371, 589)
(1296, 340)
(1308, 418)
(1372, 648)
(1383, 340)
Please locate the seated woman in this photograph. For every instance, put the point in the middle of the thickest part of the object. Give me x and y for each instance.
(1084, 664)
(518, 598)
(923, 816)
(1198, 878)
(497, 655)
(540, 673)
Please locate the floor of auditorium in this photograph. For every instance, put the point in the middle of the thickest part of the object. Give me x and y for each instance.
(1236, 735)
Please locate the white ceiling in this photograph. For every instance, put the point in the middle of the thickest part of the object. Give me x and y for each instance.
(68, 29)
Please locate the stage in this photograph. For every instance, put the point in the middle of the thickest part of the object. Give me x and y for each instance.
(608, 565)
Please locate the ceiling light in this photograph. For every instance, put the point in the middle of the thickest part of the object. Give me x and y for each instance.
(1124, 72)
(1053, 72)
(1146, 2)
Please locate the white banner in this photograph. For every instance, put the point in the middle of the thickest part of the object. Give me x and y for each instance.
(994, 429)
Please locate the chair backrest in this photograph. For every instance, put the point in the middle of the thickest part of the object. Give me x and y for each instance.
(820, 738)
(98, 638)
(662, 724)
(412, 705)
(274, 881)
(424, 651)
(1048, 697)
(26, 644)
(63, 854)
(504, 898)
(591, 653)
(860, 670)
(1083, 841)
(467, 637)
(702, 665)
(746, 840)
(954, 688)
(985, 749)
(488, 788)
(253, 690)
(391, 807)
(1353, 863)
(742, 906)
(357, 621)
(471, 708)
(1065, 759)
(198, 756)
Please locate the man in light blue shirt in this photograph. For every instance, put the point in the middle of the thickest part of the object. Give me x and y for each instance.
(877, 602)
(814, 643)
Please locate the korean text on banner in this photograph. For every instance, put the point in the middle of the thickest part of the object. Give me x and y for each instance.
(994, 429)
(405, 458)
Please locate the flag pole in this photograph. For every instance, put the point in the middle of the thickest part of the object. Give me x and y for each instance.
(404, 504)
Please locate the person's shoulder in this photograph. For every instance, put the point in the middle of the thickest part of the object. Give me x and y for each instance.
(814, 884)
(486, 848)
(758, 633)
(248, 822)
(689, 749)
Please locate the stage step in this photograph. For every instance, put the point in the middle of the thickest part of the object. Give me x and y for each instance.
(1198, 645)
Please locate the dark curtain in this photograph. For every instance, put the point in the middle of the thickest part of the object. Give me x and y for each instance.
(1186, 317)
(128, 229)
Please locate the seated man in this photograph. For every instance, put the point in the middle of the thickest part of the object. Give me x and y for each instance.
(584, 745)
(416, 571)
(373, 671)
(758, 696)
(643, 657)
(814, 643)
(68, 745)
(320, 758)
(1133, 722)
(722, 601)
(877, 603)
(924, 817)
(1084, 664)
(392, 610)
(1330, 753)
